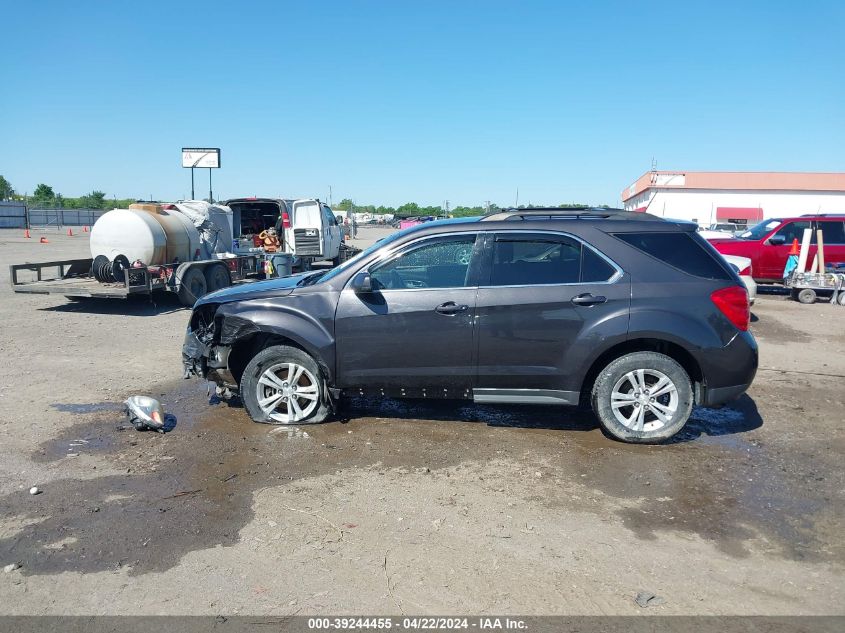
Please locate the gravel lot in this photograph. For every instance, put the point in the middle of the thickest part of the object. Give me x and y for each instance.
(401, 507)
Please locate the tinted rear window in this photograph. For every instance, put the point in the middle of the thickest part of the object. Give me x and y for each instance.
(833, 232)
(679, 250)
(594, 268)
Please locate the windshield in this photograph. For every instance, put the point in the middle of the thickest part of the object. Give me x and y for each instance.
(759, 231)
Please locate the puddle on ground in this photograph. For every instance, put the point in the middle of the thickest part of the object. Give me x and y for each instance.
(91, 407)
(193, 488)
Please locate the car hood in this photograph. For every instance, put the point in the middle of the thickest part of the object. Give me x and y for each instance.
(743, 248)
(254, 290)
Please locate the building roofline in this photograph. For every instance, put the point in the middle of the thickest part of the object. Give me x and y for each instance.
(737, 181)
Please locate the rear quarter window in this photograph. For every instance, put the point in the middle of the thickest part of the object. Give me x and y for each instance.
(681, 251)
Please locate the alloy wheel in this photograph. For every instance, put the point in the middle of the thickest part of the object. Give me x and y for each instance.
(644, 400)
(287, 393)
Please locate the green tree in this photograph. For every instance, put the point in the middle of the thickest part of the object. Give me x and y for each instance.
(44, 192)
(344, 205)
(93, 200)
(6, 191)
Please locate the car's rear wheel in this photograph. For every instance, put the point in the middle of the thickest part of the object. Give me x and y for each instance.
(283, 385)
(643, 397)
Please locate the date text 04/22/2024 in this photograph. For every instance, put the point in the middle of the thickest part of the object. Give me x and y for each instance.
(417, 623)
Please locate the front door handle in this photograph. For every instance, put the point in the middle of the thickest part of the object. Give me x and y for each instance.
(451, 308)
(588, 299)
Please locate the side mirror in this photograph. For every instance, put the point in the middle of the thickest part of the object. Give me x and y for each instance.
(777, 240)
(362, 283)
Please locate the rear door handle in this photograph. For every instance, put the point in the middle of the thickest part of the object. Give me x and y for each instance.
(451, 308)
(588, 299)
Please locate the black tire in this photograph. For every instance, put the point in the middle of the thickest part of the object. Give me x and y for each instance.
(192, 286)
(217, 277)
(118, 266)
(97, 264)
(807, 295)
(265, 360)
(617, 371)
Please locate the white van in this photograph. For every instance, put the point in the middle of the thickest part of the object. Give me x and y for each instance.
(307, 228)
(314, 232)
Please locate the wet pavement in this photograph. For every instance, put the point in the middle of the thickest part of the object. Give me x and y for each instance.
(161, 496)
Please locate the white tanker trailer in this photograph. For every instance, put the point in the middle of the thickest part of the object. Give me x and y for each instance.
(182, 248)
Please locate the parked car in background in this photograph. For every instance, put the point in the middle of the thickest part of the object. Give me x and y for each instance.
(728, 227)
(767, 244)
(627, 312)
(709, 234)
(742, 267)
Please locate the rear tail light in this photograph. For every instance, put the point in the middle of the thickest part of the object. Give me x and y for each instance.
(285, 220)
(733, 303)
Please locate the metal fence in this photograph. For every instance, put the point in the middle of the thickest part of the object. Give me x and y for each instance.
(16, 215)
(58, 218)
(13, 215)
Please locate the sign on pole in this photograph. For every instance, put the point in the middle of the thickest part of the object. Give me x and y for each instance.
(206, 157)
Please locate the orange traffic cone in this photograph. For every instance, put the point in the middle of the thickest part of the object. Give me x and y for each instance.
(44, 240)
(794, 249)
(69, 233)
(26, 233)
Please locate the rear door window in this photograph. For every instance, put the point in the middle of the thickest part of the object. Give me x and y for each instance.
(545, 260)
(594, 268)
(306, 215)
(679, 250)
(833, 231)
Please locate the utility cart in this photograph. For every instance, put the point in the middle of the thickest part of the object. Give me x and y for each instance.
(807, 287)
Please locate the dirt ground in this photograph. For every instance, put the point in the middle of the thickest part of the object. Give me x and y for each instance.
(401, 507)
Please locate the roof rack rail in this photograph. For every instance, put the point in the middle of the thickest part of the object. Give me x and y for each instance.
(592, 213)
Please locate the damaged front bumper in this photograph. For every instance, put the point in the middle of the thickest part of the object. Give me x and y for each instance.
(207, 360)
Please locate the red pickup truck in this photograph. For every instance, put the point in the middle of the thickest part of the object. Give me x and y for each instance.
(767, 244)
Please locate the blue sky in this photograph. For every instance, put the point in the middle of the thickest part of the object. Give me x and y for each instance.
(389, 102)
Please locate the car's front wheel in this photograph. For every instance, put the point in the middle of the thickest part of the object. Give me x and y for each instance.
(643, 397)
(283, 385)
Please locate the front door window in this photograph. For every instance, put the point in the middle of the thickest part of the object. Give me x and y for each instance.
(441, 264)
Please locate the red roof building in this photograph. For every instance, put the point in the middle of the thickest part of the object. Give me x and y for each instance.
(711, 197)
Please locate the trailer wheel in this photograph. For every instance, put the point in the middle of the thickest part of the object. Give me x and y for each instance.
(807, 295)
(217, 277)
(192, 286)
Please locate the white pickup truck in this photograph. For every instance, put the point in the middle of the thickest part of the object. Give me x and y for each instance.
(306, 228)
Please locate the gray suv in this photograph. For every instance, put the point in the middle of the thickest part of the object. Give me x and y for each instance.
(637, 316)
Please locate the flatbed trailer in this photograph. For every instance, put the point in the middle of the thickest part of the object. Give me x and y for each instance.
(190, 280)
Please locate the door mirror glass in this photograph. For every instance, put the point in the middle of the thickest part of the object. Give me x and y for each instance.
(777, 240)
(362, 283)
